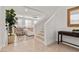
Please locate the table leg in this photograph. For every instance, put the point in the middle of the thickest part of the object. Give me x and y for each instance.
(58, 38)
(61, 37)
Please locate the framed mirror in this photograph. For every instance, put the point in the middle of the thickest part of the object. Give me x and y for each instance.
(73, 17)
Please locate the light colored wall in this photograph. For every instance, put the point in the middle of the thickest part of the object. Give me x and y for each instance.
(61, 24)
(50, 32)
(3, 31)
(50, 29)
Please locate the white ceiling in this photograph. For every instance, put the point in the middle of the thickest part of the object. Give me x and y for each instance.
(45, 9)
(35, 11)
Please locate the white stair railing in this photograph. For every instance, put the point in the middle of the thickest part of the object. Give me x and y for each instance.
(50, 29)
(45, 24)
(39, 26)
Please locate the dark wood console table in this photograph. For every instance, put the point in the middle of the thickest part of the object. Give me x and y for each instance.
(67, 33)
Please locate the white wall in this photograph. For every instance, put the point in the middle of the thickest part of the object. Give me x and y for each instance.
(3, 32)
(50, 32)
(61, 25)
(50, 29)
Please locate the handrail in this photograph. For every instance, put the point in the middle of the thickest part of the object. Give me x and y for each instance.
(49, 29)
(54, 14)
(44, 21)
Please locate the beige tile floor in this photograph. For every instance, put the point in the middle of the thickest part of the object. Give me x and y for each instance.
(32, 45)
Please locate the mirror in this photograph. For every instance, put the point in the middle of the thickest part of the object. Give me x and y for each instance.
(73, 17)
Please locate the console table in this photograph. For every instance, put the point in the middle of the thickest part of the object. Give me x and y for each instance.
(67, 33)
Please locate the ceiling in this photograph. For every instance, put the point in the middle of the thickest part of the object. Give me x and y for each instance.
(34, 12)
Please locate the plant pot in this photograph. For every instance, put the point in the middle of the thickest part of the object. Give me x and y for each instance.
(11, 36)
(11, 39)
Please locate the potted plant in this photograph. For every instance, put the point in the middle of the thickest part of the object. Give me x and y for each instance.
(10, 22)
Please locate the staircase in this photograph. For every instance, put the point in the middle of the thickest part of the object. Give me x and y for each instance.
(45, 29)
(40, 36)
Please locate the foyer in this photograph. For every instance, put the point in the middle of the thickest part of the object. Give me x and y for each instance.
(37, 29)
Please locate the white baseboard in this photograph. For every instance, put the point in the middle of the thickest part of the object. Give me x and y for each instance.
(49, 43)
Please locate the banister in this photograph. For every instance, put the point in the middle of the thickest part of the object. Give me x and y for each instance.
(51, 17)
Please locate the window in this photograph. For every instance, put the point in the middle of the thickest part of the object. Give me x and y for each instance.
(19, 23)
(28, 23)
(73, 17)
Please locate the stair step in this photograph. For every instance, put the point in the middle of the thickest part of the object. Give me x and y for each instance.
(41, 33)
(40, 37)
